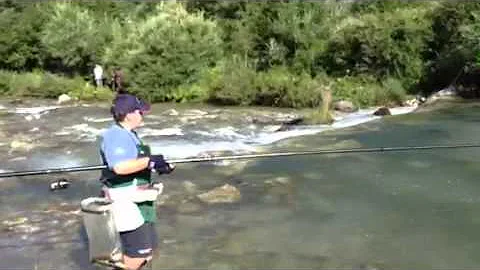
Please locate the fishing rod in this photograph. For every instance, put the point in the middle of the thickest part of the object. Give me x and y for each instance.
(250, 156)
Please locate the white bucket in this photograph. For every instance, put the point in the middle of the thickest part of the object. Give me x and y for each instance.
(103, 237)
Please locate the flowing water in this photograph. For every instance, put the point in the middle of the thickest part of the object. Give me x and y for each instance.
(404, 210)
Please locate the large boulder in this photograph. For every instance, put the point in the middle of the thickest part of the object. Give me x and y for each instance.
(382, 111)
(287, 125)
(344, 106)
(449, 93)
(64, 98)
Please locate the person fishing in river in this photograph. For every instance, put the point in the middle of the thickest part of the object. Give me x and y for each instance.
(127, 180)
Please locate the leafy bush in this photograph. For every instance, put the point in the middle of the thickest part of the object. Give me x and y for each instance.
(20, 44)
(73, 35)
(89, 92)
(392, 91)
(361, 90)
(164, 51)
(279, 87)
(381, 44)
(455, 44)
(231, 83)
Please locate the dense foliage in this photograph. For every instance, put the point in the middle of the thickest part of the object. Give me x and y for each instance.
(281, 53)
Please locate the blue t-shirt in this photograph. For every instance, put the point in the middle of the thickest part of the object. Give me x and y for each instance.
(118, 144)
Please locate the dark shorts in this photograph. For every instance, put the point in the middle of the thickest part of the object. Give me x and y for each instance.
(140, 242)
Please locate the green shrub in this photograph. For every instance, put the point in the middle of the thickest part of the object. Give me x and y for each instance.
(164, 51)
(73, 35)
(21, 84)
(90, 93)
(193, 92)
(46, 85)
(279, 87)
(391, 92)
(20, 38)
(381, 44)
(4, 82)
(360, 90)
(231, 83)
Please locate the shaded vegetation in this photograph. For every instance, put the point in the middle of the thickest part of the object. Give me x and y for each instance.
(282, 53)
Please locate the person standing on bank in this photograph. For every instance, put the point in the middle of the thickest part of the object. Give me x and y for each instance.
(98, 74)
(127, 180)
(117, 83)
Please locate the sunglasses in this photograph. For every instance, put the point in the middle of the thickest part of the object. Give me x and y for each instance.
(139, 112)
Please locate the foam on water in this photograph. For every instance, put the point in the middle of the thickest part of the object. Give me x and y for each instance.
(83, 131)
(145, 132)
(232, 139)
(97, 120)
(35, 110)
(188, 149)
(183, 142)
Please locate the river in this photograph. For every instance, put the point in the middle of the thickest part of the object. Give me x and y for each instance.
(403, 210)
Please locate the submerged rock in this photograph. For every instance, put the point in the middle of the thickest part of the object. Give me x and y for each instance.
(280, 189)
(223, 194)
(189, 187)
(189, 208)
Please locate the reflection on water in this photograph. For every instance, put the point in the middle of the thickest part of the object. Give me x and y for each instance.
(406, 210)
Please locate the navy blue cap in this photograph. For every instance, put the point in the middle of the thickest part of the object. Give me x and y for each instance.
(126, 103)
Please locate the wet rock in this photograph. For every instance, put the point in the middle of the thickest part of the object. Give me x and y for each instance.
(16, 101)
(278, 181)
(279, 190)
(190, 187)
(189, 208)
(365, 267)
(64, 98)
(15, 222)
(169, 201)
(221, 266)
(449, 93)
(64, 208)
(294, 121)
(383, 111)
(344, 106)
(272, 128)
(21, 146)
(223, 194)
(411, 102)
(234, 167)
(195, 112)
(288, 125)
(283, 121)
(171, 112)
(26, 228)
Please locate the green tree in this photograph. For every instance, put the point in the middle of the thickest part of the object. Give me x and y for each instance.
(20, 44)
(166, 50)
(454, 47)
(381, 44)
(75, 37)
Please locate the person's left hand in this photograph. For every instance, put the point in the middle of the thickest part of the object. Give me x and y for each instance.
(158, 163)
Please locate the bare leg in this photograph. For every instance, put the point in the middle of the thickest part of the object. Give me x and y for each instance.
(133, 263)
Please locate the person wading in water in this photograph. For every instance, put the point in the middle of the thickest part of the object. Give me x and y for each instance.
(128, 183)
